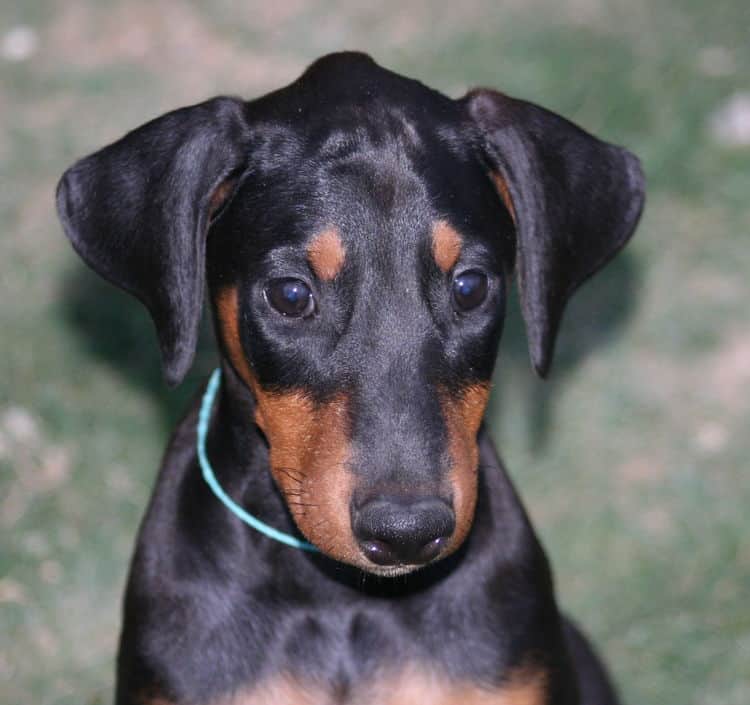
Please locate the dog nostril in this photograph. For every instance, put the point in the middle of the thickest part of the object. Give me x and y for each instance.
(378, 552)
(392, 532)
(431, 549)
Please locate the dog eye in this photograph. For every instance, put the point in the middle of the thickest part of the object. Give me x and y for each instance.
(290, 297)
(469, 289)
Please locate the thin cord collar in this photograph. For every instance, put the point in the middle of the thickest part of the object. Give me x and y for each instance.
(204, 417)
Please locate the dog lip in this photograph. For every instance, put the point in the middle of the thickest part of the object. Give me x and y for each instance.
(390, 571)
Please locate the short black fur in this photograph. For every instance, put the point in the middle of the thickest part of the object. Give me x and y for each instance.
(235, 189)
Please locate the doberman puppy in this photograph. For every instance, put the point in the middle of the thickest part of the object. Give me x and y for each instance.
(358, 232)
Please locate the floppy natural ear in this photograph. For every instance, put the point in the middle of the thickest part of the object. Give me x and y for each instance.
(575, 201)
(138, 212)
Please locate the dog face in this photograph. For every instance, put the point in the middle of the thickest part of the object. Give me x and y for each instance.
(358, 231)
(359, 281)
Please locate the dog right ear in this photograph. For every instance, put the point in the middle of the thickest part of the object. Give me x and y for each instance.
(138, 212)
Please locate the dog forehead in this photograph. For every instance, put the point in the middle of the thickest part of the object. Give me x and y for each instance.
(378, 211)
(350, 79)
(376, 156)
(345, 103)
(372, 185)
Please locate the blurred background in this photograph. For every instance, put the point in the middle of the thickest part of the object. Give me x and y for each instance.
(632, 459)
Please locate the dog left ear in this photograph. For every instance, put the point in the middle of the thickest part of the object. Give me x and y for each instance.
(138, 212)
(575, 201)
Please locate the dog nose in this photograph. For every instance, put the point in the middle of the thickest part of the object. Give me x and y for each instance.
(394, 531)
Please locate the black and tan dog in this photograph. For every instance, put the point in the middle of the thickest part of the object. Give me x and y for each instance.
(358, 233)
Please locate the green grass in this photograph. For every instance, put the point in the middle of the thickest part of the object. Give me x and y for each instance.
(632, 459)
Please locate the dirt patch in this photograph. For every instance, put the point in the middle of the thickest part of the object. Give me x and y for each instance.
(169, 38)
(728, 371)
(641, 470)
(717, 286)
(720, 377)
(39, 467)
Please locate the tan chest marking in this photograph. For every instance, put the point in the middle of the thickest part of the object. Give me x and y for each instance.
(411, 687)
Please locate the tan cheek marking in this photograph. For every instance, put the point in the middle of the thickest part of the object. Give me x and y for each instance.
(446, 245)
(463, 416)
(502, 188)
(309, 448)
(326, 254)
(227, 306)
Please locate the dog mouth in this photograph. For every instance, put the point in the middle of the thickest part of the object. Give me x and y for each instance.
(393, 571)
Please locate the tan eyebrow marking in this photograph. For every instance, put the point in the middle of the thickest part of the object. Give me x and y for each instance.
(326, 254)
(446, 245)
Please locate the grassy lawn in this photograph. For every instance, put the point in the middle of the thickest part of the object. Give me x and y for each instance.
(632, 459)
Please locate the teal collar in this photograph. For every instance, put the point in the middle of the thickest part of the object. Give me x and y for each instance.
(204, 416)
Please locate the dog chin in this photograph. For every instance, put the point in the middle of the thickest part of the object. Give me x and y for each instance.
(390, 571)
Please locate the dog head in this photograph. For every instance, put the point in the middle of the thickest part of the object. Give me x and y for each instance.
(358, 233)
